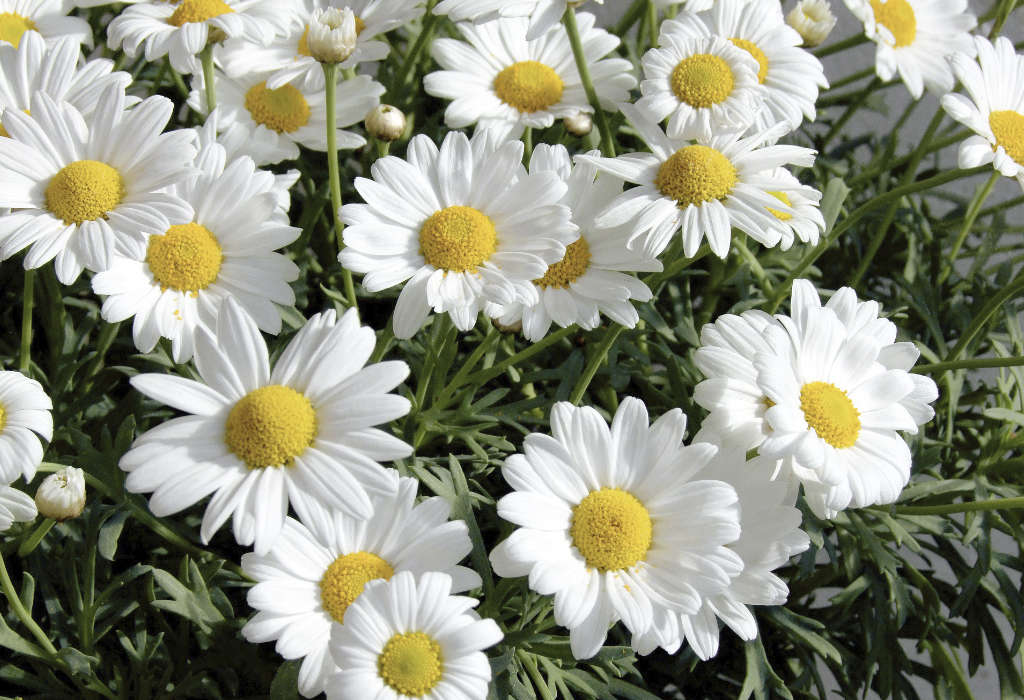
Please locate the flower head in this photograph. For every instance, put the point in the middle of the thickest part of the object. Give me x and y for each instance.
(332, 34)
(61, 496)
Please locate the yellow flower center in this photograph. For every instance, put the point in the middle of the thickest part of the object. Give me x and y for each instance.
(702, 80)
(283, 110)
(186, 258)
(303, 48)
(458, 239)
(410, 664)
(568, 269)
(1008, 128)
(270, 427)
(529, 86)
(755, 51)
(3, 417)
(345, 578)
(695, 175)
(84, 190)
(198, 11)
(12, 26)
(611, 529)
(784, 198)
(830, 412)
(898, 17)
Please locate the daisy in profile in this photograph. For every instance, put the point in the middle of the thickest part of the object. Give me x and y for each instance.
(463, 226)
(790, 77)
(805, 223)
(180, 30)
(590, 279)
(24, 414)
(48, 17)
(609, 521)
(15, 507)
(175, 281)
(915, 38)
(704, 188)
(502, 81)
(287, 58)
(259, 439)
(273, 123)
(86, 188)
(995, 110)
(409, 637)
(35, 66)
(324, 567)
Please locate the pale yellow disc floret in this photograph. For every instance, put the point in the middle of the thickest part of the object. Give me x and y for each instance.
(3, 417)
(1008, 128)
(12, 26)
(569, 269)
(411, 664)
(303, 47)
(703, 80)
(270, 427)
(611, 529)
(755, 51)
(829, 411)
(784, 198)
(898, 17)
(458, 239)
(84, 190)
(529, 86)
(695, 175)
(198, 11)
(283, 110)
(186, 258)
(345, 578)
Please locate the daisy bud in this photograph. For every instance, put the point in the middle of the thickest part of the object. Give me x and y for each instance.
(813, 19)
(332, 34)
(61, 496)
(385, 123)
(579, 124)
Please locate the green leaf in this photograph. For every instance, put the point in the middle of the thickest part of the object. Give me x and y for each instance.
(285, 685)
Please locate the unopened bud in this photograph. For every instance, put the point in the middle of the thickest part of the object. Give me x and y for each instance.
(579, 124)
(385, 123)
(61, 496)
(332, 34)
(813, 19)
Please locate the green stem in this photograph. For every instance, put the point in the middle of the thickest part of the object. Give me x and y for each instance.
(629, 18)
(596, 360)
(991, 504)
(19, 610)
(27, 302)
(36, 537)
(859, 75)
(843, 45)
(211, 89)
(331, 86)
(973, 209)
(607, 143)
(858, 100)
(993, 305)
(486, 375)
(106, 338)
(652, 22)
(893, 165)
(974, 363)
(412, 58)
(527, 144)
(755, 266)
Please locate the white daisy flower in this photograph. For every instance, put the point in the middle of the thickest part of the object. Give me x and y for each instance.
(86, 188)
(915, 38)
(995, 110)
(813, 19)
(181, 30)
(36, 66)
(312, 575)
(259, 439)
(543, 14)
(15, 507)
(465, 225)
(704, 188)
(504, 82)
(24, 412)
(770, 535)
(410, 638)
(177, 280)
(48, 17)
(789, 75)
(287, 58)
(806, 221)
(589, 280)
(703, 85)
(614, 525)
(272, 124)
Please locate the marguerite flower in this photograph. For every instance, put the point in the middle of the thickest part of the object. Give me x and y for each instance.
(615, 526)
(15, 507)
(180, 30)
(813, 19)
(543, 14)
(790, 76)
(704, 188)
(287, 58)
(915, 38)
(995, 110)
(589, 280)
(408, 637)
(273, 123)
(48, 17)
(85, 188)
(465, 225)
(177, 279)
(259, 439)
(313, 574)
(24, 412)
(805, 222)
(504, 82)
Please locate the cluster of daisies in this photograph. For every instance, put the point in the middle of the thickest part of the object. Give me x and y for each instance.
(182, 232)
